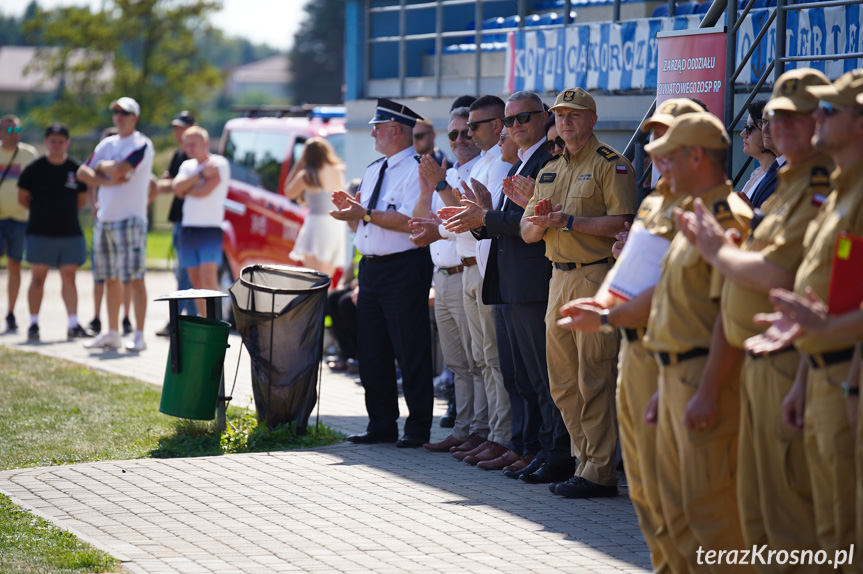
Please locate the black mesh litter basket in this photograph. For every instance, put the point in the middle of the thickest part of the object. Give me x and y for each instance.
(279, 312)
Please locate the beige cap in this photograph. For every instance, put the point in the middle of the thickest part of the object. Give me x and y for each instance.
(790, 91)
(700, 129)
(843, 91)
(576, 98)
(668, 110)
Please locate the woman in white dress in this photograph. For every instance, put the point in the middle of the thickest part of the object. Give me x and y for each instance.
(753, 145)
(320, 244)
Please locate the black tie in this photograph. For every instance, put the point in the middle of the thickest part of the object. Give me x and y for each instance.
(377, 191)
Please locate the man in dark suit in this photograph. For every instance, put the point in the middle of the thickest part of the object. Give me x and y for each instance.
(516, 280)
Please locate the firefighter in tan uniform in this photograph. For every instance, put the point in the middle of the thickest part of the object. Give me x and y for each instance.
(774, 493)
(698, 371)
(828, 438)
(582, 199)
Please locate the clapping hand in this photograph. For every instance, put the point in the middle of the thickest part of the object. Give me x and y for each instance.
(519, 189)
(424, 231)
(545, 216)
(583, 315)
(347, 207)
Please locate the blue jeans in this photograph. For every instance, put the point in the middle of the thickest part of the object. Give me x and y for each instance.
(187, 305)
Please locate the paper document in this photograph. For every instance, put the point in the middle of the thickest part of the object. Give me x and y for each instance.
(639, 265)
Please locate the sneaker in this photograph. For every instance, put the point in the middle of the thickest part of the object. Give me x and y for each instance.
(137, 343)
(165, 331)
(95, 325)
(127, 326)
(33, 333)
(107, 340)
(78, 332)
(11, 323)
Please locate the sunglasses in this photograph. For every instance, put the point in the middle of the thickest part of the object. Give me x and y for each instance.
(453, 135)
(422, 135)
(524, 118)
(13, 130)
(552, 145)
(121, 112)
(472, 126)
(749, 127)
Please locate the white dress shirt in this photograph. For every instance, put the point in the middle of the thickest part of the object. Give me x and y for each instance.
(465, 243)
(491, 170)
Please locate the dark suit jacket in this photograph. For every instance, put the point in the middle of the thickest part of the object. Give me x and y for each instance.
(766, 186)
(517, 272)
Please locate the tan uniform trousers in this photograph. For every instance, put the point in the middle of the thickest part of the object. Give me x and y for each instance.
(859, 548)
(697, 469)
(480, 319)
(637, 382)
(829, 445)
(582, 372)
(773, 485)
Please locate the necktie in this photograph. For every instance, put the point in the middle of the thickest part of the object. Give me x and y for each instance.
(377, 191)
(766, 187)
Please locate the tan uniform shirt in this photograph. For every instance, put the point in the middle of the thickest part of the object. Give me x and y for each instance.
(593, 182)
(685, 301)
(779, 237)
(9, 206)
(843, 211)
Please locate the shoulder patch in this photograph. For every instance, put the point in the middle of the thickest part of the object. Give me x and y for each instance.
(621, 169)
(606, 152)
(722, 211)
(819, 177)
(547, 177)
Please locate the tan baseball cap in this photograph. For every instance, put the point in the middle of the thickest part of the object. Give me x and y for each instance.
(844, 91)
(700, 129)
(668, 110)
(575, 98)
(790, 92)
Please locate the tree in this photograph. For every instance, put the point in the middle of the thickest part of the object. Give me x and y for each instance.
(145, 49)
(318, 55)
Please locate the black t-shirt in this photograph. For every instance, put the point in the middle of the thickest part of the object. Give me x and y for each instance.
(54, 193)
(176, 212)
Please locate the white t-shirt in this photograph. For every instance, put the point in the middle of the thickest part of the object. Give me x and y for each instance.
(207, 211)
(128, 198)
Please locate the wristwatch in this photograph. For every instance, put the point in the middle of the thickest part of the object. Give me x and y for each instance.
(604, 325)
(368, 216)
(441, 185)
(569, 223)
(849, 391)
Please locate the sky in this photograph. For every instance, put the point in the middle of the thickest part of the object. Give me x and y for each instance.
(272, 22)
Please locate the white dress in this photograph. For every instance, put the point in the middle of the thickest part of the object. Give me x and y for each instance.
(321, 236)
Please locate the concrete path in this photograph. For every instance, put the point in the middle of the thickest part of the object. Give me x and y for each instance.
(344, 508)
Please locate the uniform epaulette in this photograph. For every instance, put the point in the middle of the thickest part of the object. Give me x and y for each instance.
(606, 152)
(819, 177)
(380, 159)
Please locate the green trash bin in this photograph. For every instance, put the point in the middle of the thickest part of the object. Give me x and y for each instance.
(193, 392)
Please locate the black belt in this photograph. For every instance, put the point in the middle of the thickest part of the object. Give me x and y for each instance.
(571, 266)
(773, 354)
(451, 270)
(676, 358)
(823, 360)
(375, 259)
(633, 335)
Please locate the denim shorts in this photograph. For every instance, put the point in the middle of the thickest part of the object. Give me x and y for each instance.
(56, 251)
(119, 249)
(12, 233)
(200, 245)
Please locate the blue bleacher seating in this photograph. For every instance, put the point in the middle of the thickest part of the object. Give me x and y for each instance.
(703, 7)
(686, 8)
(660, 11)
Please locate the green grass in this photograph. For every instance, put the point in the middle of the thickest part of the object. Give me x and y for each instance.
(56, 412)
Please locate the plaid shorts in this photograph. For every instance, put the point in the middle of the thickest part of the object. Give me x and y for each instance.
(119, 249)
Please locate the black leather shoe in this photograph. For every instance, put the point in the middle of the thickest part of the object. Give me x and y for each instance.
(373, 437)
(578, 487)
(533, 466)
(549, 472)
(411, 441)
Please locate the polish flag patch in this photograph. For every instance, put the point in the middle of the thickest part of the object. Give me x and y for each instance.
(621, 169)
(818, 199)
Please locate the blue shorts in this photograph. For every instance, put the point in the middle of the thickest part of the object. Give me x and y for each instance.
(12, 233)
(56, 251)
(120, 249)
(200, 245)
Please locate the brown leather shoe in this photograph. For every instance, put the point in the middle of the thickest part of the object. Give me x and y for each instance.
(461, 454)
(471, 443)
(519, 464)
(491, 453)
(444, 445)
(506, 459)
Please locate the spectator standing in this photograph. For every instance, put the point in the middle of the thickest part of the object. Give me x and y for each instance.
(767, 185)
(14, 156)
(121, 167)
(49, 189)
(181, 122)
(202, 183)
(394, 278)
(424, 141)
(753, 146)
